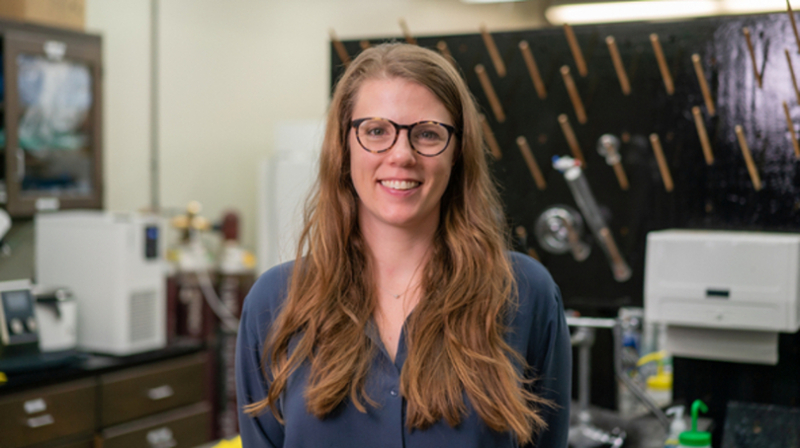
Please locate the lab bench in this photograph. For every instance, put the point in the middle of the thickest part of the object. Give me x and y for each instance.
(155, 399)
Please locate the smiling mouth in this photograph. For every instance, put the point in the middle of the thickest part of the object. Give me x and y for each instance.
(400, 184)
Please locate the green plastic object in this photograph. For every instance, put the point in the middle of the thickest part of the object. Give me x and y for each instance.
(695, 437)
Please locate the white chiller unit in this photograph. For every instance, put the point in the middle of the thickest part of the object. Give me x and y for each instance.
(723, 295)
(114, 264)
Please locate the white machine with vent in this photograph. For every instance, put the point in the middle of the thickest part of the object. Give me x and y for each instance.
(114, 264)
(723, 295)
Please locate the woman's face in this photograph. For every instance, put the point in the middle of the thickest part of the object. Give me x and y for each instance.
(399, 187)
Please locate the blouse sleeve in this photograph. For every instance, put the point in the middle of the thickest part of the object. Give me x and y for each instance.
(258, 311)
(549, 351)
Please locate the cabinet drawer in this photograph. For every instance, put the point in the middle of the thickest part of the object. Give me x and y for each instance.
(186, 427)
(44, 414)
(146, 390)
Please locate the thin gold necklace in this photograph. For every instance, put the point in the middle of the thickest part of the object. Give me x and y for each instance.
(408, 286)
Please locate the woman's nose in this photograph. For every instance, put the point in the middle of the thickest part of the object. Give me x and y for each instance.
(402, 152)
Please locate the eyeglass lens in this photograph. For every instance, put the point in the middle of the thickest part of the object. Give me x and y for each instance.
(379, 135)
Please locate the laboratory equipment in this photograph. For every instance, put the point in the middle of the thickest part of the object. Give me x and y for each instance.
(579, 187)
(19, 330)
(723, 295)
(114, 265)
(695, 438)
(57, 314)
(559, 229)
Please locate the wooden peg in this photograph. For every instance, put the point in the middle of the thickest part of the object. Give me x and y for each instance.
(522, 234)
(575, 48)
(662, 162)
(790, 127)
(662, 64)
(339, 47)
(364, 44)
(748, 158)
(444, 50)
(752, 51)
(574, 96)
(488, 135)
(522, 142)
(701, 78)
(618, 66)
(572, 140)
(406, 33)
(497, 60)
(794, 24)
(703, 135)
(494, 102)
(791, 72)
(533, 69)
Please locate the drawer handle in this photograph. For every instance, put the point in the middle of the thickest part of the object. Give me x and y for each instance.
(161, 438)
(42, 420)
(160, 392)
(34, 406)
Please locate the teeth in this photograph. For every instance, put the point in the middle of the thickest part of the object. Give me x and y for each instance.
(399, 184)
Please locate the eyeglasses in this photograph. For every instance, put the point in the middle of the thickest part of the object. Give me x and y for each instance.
(377, 135)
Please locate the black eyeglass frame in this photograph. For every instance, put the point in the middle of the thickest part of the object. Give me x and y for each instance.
(398, 127)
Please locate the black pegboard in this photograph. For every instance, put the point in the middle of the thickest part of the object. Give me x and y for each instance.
(719, 196)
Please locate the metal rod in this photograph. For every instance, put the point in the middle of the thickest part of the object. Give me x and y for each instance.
(488, 135)
(701, 78)
(575, 48)
(527, 154)
(752, 51)
(155, 167)
(494, 102)
(574, 96)
(533, 69)
(662, 162)
(748, 158)
(703, 135)
(624, 83)
(339, 47)
(572, 140)
(790, 127)
(497, 61)
(406, 32)
(662, 64)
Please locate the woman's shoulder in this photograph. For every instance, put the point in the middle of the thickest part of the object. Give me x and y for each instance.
(535, 286)
(267, 294)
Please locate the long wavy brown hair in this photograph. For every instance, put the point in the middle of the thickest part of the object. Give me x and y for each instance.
(468, 289)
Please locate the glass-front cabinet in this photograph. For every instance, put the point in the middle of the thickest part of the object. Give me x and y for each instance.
(51, 120)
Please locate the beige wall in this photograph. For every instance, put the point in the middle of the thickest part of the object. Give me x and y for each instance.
(229, 70)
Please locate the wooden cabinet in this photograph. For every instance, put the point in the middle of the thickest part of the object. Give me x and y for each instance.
(50, 119)
(48, 413)
(153, 405)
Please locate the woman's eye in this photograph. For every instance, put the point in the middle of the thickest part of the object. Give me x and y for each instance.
(429, 135)
(376, 132)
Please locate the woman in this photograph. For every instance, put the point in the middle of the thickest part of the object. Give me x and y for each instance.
(404, 320)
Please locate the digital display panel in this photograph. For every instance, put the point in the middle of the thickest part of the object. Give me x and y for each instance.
(17, 301)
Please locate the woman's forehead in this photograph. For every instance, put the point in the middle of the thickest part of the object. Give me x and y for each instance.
(398, 99)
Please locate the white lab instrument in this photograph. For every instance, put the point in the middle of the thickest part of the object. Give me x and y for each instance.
(114, 265)
(723, 295)
(57, 314)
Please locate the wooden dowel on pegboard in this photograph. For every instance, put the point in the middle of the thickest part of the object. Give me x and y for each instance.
(497, 60)
(444, 50)
(701, 78)
(575, 48)
(533, 69)
(522, 234)
(572, 140)
(406, 32)
(339, 47)
(794, 24)
(791, 72)
(613, 158)
(364, 44)
(752, 51)
(703, 135)
(748, 158)
(662, 64)
(662, 162)
(527, 154)
(574, 96)
(494, 101)
(619, 67)
(488, 136)
(792, 132)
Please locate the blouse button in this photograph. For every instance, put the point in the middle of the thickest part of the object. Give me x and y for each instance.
(393, 393)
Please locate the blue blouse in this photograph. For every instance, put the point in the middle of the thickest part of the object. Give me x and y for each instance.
(538, 331)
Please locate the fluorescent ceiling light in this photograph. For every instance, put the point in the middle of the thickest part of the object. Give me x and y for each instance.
(491, 1)
(628, 11)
